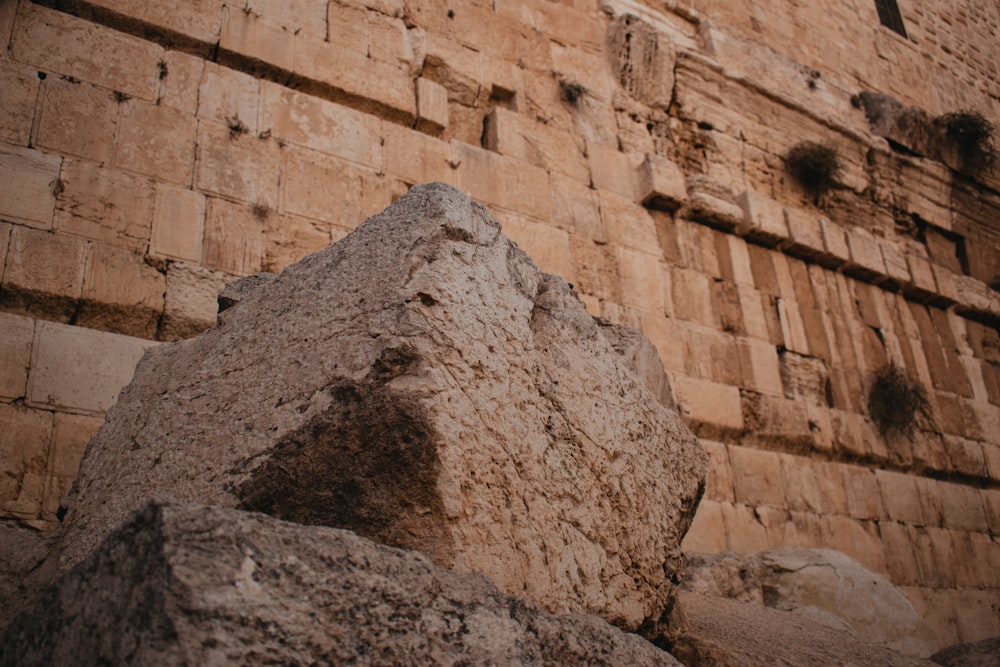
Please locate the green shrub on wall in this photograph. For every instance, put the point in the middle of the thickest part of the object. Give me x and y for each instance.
(814, 166)
(897, 403)
(971, 135)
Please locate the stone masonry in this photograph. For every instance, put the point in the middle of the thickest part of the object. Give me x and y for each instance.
(151, 155)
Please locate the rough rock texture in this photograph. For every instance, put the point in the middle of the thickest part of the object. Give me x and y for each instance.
(984, 653)
(727, 633)
(821, 584)
(187, 584)
(421, 383)
(24, 567)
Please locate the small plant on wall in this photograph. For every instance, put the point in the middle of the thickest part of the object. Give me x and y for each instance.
(813, 166)
(971, 135)
(897, 403)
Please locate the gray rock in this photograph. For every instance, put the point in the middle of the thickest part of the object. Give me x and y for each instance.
(235, 291)
(25, 567)
(984, 653)
(421, 383)
(193, 585)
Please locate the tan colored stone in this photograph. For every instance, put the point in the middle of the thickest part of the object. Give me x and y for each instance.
(199, 21)
(20, 86)
(901, 564)
(805, 233)
(180, 78)
(76, 118)
(57, 41)
(30, 181)
(44, 273)
(866, 255)
(456, 67)
(70, 436)
(503, 181)
(80, 370)
(895, 262)
(16, 335)
(24, 451)
(644, 280)
(432, 107)
(709, 408)
(900, 497)
(321, 125)
(121, 293)
(801, 481)
(229, 96)
(793, 332)
(711, 203)
(178, 223)
(510, 133)
(415, 157)
(246, 37)
(707, 533)
(392, 42)
(757, 477)
(963, 508)
(287, 239)
(576, 209)
(835, 241)
(763, 219)
(238, 166)
(548, 246)
(104, 204)
(232, 241)
(347, 26)
(691, 297)
(614, 171)
(157, 141)
(190, 305)
(661, 183)
(5, 228)
(864, 498)
(745, 533)
(760, 367)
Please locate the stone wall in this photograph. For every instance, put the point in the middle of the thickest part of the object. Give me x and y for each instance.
(151, 155)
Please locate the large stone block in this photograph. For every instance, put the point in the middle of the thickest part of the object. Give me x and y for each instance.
(414, 156)
(161, 591)
(236, 165)
(20, 86)
(432, 389)
(157, 141)
(16, 334)
(121, 293)
(77, 118)
(178, 223)
(190, 305)
(30, 180)
(200, 20)
(432, 106)
(512, 184)
(249, 38)
(230, 96)
(44, 273)
(233, 237)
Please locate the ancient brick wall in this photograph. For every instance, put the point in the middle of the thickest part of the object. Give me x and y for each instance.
(152, 154)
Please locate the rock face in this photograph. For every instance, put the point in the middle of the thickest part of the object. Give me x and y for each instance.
(984, 653)
(821, 584)
(186, 584)
(421, 383)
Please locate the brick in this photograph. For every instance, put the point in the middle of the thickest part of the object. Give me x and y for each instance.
(315, 185)
(178, 223)
(77, 118)
(502, 181)
(106, 205)
(707, 533)
(200, 20)
(661, 183)
(709, 408)
(241, 167)
(287, 239)
(16, 334)
(963, 508)
(321, 125)
(517, 136)
(230, 96)
(56, 41)
(415, 157)
(44, 274)
(432, 107)
(805, 233)
(548, 246)
(121, 293)
(30, 181)
(247, 38)
(80, 370)
(24, 450)
(371, 84)
(759, 360)
(576, 209)
(233, 237)
(17, 107)
(900, 497)
(180, 76)
(156, 141)
(191, 303)
(70, 436)
(614, 171)
(745, 533)
(763, 219)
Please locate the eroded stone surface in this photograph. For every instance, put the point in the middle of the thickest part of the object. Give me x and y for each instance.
(187, 584)
(422, 383)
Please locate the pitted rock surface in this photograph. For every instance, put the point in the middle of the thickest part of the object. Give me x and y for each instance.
(192, 585)
(420, 382)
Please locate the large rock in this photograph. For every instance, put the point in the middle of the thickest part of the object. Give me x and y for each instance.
(186, 584)
(421, 383)
(984, 653)
(823, 585)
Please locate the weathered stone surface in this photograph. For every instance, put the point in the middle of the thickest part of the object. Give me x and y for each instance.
(823, 585)
(422, 383)
(984, 653)
(727, 633)
(23, 554)
(187, 584)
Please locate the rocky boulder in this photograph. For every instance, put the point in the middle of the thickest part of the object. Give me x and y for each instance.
(192, 585)
(422, 383)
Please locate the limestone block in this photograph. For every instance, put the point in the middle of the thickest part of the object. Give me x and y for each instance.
(763, 219)
(965, 456)
(121, 293)
(644, 280)
(157, 141)
(576, 209)
(548, 246)
(805, 233)
(503, 181)
(70, 436)
(316, 185)
(661, 183)
(793, 331)
(866, 257)
(708, 531)
(456, 67)
(411, 303)
(761, 370)
(711, 203)
(991, 505)
(510, 133)
(233, 237)
(901, 564)
(44, 273)
(864, 499)
(220, 603)
(627, 223)
(232, 97)
(237, 165)
(835, 242)
(391, 41)
(895, 262)
(16, 334)
(371, 84)
(803, 480)
(24, 452)
(8, 12)
(921, 273)
(596, 269)
(30, 181)
(739, 260)
(347, 25)
(178, 223)
(432, 107)
(190, 305)
(5, 228)
(774, 419)
(612, 170)
(803, 378)
(691, 297)
(900, 497)
(709, 408)
(414, 156)
(104, 204)
(199, 21)
(286, 239)
(248, 38)
(745, 533)
(80, 370)
(20, 85)
(78, 119)
(643, 59)
(59, 42)
(180, 76)
(963, 508)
